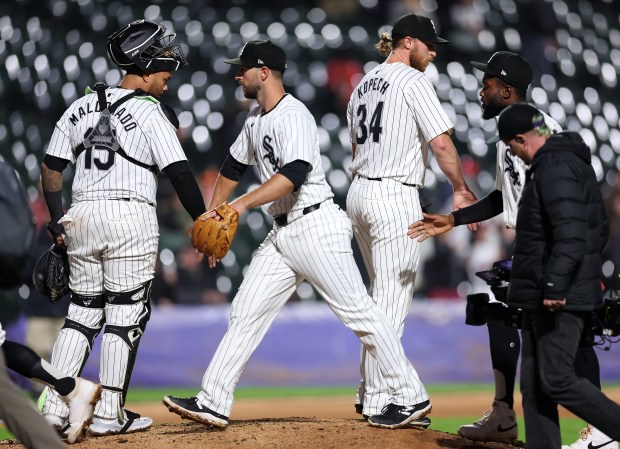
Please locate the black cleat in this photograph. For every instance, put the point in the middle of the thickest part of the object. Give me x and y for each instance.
(395, 416)
(422, 423)
(191, 408)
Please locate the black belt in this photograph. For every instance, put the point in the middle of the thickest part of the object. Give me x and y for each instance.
(281, 220)
(129, 199)
(381, 179)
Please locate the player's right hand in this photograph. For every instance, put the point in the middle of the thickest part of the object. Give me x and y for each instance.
(430, 225)
(462, 199)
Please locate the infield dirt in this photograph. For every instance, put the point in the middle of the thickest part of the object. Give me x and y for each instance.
(304, 423)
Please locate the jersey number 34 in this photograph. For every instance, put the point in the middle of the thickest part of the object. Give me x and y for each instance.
(374, 126)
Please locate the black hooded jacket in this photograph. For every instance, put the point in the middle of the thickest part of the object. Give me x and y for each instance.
(561, 229)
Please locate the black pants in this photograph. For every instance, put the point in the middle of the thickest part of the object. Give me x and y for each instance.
(505, 346)
(550, 341)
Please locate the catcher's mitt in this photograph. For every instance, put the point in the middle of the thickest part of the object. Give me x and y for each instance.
(212, 236)
(51, 273)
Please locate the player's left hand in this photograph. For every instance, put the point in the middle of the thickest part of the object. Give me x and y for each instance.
(554, 305)
(430, 225)
(462, 199)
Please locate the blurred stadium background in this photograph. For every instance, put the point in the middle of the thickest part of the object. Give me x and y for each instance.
(50, 50)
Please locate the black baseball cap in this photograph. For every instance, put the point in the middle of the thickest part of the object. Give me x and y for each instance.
(260, 54)
(516, 119)
(509, 67)
(416, 26)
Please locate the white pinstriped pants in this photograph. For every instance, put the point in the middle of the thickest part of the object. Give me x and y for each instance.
(112, 245)
(315, 247)
(381, 212)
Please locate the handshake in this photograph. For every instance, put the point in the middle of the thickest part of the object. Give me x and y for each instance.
(213, 231)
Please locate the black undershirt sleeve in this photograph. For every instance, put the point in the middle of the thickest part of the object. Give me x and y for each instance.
(296, 172)
(186, 187)
(55, 163)
(233, 169)
(488, 207)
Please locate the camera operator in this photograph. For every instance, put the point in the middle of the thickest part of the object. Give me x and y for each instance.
(505, 82)
(555, 278)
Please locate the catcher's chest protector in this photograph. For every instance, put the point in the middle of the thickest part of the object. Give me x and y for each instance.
(103, 135)
(18, 228)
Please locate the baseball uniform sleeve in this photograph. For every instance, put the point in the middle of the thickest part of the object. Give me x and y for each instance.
(60, 143)
(429, 115)
(241, 150)
(351, 121)
(499, 167)
(297, 134)
(165, 146)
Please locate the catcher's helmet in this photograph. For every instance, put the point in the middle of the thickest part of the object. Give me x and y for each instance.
(142, 44)
(51, 273)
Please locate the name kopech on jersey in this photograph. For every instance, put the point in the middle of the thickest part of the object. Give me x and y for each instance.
(392, 115)
(140, 128)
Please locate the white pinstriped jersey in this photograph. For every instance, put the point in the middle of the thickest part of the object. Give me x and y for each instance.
(271, 140)
(142, 131)
(393, 113)
(510, 176)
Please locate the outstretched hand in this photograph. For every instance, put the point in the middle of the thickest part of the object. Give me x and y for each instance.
(430, 225)
(462, 199)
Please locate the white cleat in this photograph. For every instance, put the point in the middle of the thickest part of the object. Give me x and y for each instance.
(592, 438)
(81, 402)
(133, 423)
(497, 424)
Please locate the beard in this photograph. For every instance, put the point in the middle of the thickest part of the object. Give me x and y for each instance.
(250, 94)
(418, 63)
(492, 108)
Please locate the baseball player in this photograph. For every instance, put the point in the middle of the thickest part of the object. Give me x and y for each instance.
(311, 240)
(118, 139)
(394, 115)
(505, 82)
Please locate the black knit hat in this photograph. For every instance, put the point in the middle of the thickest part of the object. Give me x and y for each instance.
(516, 119)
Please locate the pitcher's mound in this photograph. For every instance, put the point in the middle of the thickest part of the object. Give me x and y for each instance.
(279, 433)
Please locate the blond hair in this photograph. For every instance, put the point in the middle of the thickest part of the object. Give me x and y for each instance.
(384, 46)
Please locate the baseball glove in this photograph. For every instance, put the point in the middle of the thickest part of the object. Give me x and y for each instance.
(51, 273)
(212, 236)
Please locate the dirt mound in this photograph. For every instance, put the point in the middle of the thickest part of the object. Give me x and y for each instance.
(293, 432)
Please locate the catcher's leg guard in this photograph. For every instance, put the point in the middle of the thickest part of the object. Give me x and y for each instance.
(73, 345)
(126, 316)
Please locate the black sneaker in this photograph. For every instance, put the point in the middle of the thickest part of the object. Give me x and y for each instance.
(423, 423)
(394, 416)
(191, 408)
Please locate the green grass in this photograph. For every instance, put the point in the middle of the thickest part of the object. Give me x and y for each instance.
(5, 434)
(154, 395)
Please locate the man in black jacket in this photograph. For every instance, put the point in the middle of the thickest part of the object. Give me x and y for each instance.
(561, 230)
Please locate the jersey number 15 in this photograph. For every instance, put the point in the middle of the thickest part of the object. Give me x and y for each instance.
(374, 126)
